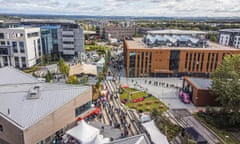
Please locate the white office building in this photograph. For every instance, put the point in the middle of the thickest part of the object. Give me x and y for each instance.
(20, 47)
(229, 37)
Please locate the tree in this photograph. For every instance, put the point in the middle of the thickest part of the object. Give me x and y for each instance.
(49, 76)
(63, 67)
(212, 37)
(84, 79)
(73, 80)
(226, 85)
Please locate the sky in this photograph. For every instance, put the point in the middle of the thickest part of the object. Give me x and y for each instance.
(166, 8)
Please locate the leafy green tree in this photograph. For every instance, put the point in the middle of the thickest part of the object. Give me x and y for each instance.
(226, 85)
(84, 79)
(212, 37)
(49, 76)
(63, 67)
(73, 80)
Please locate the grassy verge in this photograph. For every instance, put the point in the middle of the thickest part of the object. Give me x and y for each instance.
(221, 133)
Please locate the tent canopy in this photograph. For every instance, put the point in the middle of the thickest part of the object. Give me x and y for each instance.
(124, 86)
(156, 136)
(83, 132)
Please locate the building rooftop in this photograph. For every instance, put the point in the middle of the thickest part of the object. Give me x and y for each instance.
(83, 69)
(137, 43)
(50, 26)
(48, 21)
(12, 76)
(200, 83)
(23, 112)
(174, 31)
(230, 30)
(138, 139)
(23, 28)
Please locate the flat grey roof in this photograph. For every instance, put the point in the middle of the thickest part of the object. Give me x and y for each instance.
(10, 75)
(175, 31)
(24, 112)
(230, 30)
(49, 21)
(201, 83)
(137, 139)
(137, 43)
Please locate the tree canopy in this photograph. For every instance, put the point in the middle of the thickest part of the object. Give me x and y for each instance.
(63, 67)
(73, 80)
(226, 85)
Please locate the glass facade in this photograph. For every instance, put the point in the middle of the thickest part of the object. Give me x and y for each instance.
(49, 39)
(174, 60)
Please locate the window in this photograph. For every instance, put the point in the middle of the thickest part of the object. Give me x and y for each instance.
(174, 60)
(1, 35)
(2, 43)
(1, 128)
(14, 45)
(23, 62)
(5, 61)
(21, 45)
(3, 51)
(82, 108)
(66, 42)
(34, 34)
(16, 59)
(41, 142)
(48, 139)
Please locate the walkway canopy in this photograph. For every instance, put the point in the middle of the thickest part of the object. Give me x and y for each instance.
(156, 136)
(84, 133)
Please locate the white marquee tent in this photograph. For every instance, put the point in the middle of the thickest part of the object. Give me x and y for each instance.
(156, 136)
(84, 133)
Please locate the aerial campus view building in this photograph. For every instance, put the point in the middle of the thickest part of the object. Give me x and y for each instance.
(33, 112)
(20, 47)
(229, 37)
(173, 53)
(66, 35)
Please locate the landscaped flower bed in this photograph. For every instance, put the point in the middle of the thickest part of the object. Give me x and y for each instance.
(146, 103)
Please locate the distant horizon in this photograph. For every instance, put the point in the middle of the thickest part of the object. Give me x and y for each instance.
(43, 14)
(133, 8)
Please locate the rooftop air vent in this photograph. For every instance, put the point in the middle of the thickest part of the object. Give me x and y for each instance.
(34, 93)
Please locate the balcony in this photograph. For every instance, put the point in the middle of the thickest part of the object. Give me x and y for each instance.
(68, 39)
(68, 33)
(66, 46)
(68, 52)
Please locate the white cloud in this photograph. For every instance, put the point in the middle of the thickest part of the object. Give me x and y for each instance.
(125, 7)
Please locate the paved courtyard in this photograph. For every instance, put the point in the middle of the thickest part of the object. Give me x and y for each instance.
(167, 93)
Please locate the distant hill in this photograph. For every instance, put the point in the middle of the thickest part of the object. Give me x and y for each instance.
(211, 19)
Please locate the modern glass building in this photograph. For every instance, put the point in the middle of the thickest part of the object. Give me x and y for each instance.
(49, 39)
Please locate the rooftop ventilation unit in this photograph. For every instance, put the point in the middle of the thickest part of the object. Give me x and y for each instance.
(34, 93)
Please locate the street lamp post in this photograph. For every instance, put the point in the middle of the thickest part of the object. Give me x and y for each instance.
(225, 138)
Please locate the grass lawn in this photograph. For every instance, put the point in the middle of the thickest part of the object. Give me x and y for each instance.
(221, 133)
(148, 105)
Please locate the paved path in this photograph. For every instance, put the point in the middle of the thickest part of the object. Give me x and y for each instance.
(185, 119)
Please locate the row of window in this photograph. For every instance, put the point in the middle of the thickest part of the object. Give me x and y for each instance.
(17, 61)
(12, 35)
(141, 62)
(7, 62)
(82, 108)
(17, 46)
(195, 61)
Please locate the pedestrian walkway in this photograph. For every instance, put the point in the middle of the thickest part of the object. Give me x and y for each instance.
(185, 119)
(165, 89)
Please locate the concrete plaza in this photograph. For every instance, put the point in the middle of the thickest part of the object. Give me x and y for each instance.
(167, 93)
